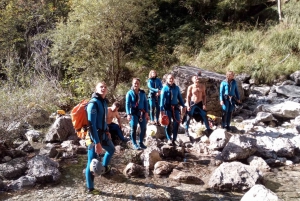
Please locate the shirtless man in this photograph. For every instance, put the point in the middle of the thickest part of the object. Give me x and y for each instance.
(115, 129)
(196, 103)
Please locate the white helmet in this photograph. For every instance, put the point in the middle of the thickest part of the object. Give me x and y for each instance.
(96, 167)
(151, 130)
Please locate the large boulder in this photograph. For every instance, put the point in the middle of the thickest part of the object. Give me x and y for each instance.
(239, 147)
(288, 109)
(260, 193)
(60, 130)
(289, 91)
(234, 176)
(212, 81)
(43, 169)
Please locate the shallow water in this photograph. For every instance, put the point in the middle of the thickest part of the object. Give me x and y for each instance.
(283, 181)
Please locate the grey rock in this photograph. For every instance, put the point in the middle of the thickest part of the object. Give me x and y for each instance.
(13, 169)
(133, 170)
(260, 193)
(60, 130)
(289, 91)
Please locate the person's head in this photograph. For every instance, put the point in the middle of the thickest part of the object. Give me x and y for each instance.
(229, 75)
(101, 89)
(196, 78)
(136, 83)
(170, 79)
(115, 106)
(152, 74)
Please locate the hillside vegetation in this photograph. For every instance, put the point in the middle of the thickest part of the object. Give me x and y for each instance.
(53, 52)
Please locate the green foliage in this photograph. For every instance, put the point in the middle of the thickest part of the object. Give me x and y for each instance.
(96, 41)
(16, 103)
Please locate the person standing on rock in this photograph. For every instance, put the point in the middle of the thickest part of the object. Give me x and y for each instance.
(155, 85)
(196, 104)
(98, 132)
(170, 99)
(137, 112)
(229, 95)
(115, 129)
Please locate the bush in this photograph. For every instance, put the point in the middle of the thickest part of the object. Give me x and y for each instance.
(16, 103)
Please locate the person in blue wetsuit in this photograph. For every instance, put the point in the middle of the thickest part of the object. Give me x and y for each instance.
(115, 129)
(170, 98)
(137, 112)
(155, 85)
(98, 132)
(229, 95)
(196, 104)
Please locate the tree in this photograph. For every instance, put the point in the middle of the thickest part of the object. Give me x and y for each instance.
(20, 24)
(97, 40)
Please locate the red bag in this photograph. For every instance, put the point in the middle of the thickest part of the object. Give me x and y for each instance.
(164, 120)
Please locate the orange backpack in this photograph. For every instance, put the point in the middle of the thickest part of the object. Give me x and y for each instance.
(79, 118)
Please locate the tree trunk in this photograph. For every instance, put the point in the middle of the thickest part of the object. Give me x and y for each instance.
(279, 10)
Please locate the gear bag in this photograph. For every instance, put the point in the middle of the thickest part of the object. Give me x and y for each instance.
(79, 118)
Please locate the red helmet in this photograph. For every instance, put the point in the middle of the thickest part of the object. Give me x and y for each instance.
(164, 120)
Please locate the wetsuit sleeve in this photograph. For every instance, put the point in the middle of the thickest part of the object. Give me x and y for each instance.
(127, 103)
(150, 87)
(236, 91)
(221, 91)
(180, 98)
(145, 103)
(105, 122)
(92, 118)
(162, 99)
(159, 84)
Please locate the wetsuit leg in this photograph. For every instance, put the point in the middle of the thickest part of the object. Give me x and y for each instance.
(88, 175)
(143, 130)
(133, 127)
(157, 109)
(115, 129)
(204, 117)
(168, 128)
(224, 113)
(175, 124)
(152, 107)
(109, 148)
(229, 113)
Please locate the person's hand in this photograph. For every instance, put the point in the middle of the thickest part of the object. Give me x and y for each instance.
(147, 116)
(162, 113)
(188, 108)
(239, 101)
(129, 117)
(98, 148)
(221, 103)
(158, 93)
(204, 107)
(108, 135)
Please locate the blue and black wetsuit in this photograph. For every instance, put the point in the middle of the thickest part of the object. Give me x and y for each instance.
(170, 99)
(114, 129)
(137, 107)
(96, 113)
(155, 85)
(228, 94)
(198, 113)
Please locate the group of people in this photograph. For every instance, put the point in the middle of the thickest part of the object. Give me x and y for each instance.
(161, 100)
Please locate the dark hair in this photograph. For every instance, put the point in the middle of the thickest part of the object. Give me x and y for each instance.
(117, 104)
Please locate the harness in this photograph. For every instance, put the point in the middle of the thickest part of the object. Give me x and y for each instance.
(173, 107)
(137, 97)
(173, 112)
